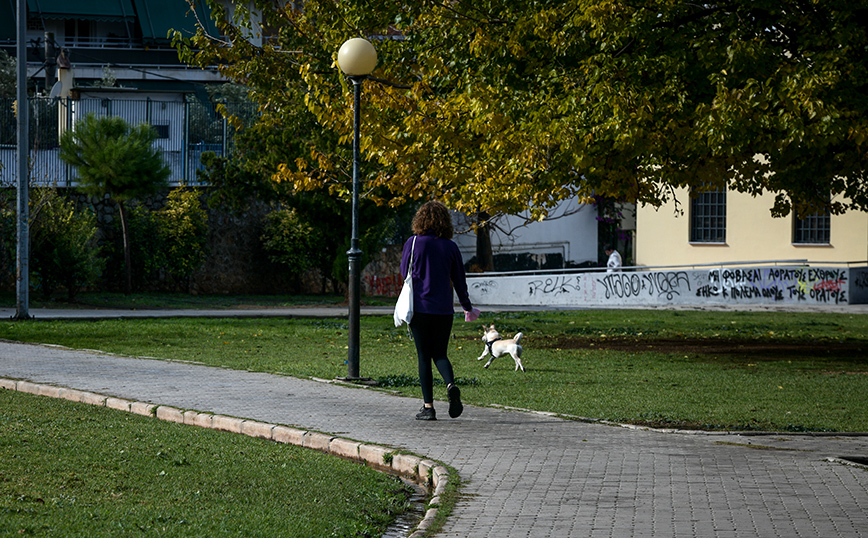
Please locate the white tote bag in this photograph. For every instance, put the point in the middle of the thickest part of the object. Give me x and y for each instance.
(404, 306)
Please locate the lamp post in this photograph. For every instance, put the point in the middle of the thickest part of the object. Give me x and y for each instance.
(357, 58)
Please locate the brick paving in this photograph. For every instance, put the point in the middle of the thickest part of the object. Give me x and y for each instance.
(523, 474)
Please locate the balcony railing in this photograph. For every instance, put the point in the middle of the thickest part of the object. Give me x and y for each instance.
(186, 130)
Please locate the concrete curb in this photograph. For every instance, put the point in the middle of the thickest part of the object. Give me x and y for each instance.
(428, 474)
(679, 431)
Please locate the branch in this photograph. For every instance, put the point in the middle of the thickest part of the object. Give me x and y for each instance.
(192, 4)
(389, 83)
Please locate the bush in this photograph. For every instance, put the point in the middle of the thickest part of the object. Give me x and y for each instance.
(8, 238)
(290, 241)
(183, 226)
(63, 249)
(170, 242)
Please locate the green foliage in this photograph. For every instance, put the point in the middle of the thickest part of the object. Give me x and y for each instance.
(183, 231)
(8, 76)
(241, 179)
(171, 242)
(63, 248)
(291, 241)
(8, 236)
(215, 122)
(205, 127)
(509, 105)
(228, 93)
(232, 184)
(112, 157)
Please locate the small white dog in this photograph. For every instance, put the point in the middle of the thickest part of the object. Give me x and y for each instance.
(497, 346)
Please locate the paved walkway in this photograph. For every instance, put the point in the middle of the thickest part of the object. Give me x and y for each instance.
(524, 474)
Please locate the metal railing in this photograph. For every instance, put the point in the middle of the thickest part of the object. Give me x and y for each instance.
(117, 42)
(186, 130)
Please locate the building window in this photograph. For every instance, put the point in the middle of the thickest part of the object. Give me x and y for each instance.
(813, 229)
(162, 130)
(708, 217)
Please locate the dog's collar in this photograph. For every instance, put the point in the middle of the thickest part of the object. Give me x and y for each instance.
(491, 343)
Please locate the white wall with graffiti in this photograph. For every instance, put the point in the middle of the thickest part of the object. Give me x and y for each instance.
(711, 286)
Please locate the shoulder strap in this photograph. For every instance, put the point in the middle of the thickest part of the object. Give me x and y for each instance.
(412, 252)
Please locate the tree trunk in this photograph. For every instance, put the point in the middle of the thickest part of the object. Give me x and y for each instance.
(128, 267)
(484, 255)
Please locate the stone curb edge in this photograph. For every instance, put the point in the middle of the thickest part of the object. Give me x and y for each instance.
(426, 473)
(710, 433)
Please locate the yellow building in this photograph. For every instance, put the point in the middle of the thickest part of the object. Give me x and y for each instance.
(721, 227)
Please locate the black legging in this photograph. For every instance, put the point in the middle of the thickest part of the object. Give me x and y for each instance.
(431, 333)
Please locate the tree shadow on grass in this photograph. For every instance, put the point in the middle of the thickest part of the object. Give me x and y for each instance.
(737, 349)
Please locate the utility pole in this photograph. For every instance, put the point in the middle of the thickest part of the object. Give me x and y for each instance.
(22, 304)
(50, 61)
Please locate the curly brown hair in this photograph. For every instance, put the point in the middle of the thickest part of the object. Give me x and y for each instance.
(433, 217)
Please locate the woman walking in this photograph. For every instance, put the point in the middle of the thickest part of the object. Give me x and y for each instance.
(437, 270)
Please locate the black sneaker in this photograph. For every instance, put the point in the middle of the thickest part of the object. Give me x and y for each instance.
(426, 413)
(455, 406)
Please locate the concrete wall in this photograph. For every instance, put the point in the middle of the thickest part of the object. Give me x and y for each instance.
(712, 286)
(663, 236)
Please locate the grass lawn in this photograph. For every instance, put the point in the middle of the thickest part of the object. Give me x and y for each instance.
(69, 469)
(690, 369)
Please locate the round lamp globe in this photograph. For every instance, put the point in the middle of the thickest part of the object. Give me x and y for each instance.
(357, 57)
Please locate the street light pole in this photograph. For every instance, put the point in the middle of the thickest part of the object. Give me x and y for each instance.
(355, 253)
(357, 58)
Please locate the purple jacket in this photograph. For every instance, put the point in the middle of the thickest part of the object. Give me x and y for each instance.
(437, 268)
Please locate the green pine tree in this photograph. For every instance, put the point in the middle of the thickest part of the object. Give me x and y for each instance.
(112, 157)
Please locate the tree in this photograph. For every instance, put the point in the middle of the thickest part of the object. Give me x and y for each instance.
(147, 249)
(247, 176)
(515, 105)
(8, 76)
(117, 159)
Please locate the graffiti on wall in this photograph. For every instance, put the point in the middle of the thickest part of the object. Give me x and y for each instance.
(767, 285)
(861, 280)
(661, 284)
(554, 285)
(483, 286)
(822, 285)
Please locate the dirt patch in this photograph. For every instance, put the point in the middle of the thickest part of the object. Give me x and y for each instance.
(755, 349)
